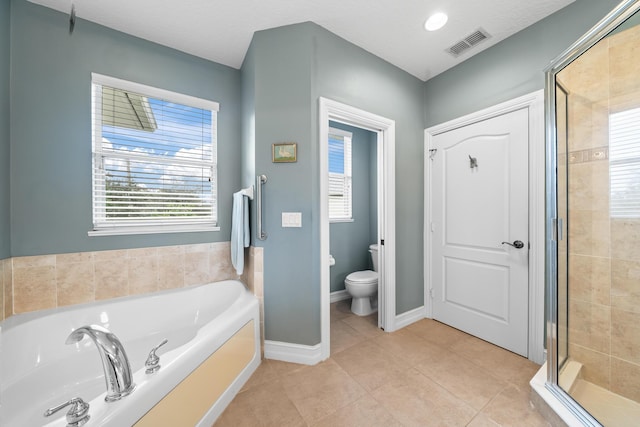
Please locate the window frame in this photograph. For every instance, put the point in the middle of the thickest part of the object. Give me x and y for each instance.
(100, 226)
(623, 165)
(348, 166)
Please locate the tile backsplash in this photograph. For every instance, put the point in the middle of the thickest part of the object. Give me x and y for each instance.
(47, 281)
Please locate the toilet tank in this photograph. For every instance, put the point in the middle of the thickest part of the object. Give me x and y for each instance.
(373, 250)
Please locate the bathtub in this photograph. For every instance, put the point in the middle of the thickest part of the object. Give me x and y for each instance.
(38, 370)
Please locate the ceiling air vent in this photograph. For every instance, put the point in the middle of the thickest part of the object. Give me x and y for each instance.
(468, 42)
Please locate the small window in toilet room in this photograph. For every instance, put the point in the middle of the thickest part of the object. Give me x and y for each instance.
(340, 181)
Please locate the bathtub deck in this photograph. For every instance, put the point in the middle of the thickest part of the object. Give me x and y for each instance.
(425, 374)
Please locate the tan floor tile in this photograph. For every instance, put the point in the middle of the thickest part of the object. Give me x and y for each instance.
(463, 379)
(425, 374)
(497, 361)
(366, 325)
(283, 368)
(482, 420)
(340, 310)
(343, 336)
(366, 412)
(265, 405)
(407, 345)
(320, 390)
(511, 408)
(437, 333)
(415, 400)
(370, 365)
(264, 374)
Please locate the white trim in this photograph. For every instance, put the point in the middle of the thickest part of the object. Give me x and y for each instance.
(338, 220)
(155, 229)
(293, 353)
(409, 317)
(537, 219)
(385, 128)
(534, 102)
(340, 132)
(339, 296)
(164, 94)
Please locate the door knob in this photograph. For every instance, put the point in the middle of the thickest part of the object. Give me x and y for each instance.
(518, 244)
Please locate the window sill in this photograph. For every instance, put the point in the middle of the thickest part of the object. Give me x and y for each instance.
(331, 221)
(121, 231)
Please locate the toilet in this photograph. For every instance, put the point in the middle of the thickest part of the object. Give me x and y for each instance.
(363, 287)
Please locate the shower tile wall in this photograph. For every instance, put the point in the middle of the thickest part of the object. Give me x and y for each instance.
(604, 255)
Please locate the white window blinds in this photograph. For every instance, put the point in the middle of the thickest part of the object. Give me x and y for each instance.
(624, 163)
(154, 158)
(340, 179)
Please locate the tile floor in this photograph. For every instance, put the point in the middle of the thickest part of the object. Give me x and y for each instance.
(427, 374)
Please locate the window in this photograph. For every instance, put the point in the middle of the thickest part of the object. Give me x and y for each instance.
(154, 159)
(340, 184)
(624, 163)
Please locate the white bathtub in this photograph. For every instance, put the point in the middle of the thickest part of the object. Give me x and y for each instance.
(38, 370)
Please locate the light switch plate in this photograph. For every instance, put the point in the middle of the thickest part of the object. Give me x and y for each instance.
(292, 219)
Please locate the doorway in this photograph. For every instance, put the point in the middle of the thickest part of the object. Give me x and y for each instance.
(484, 232)
(385, 165)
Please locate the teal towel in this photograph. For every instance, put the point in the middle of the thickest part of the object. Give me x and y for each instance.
(240, 234)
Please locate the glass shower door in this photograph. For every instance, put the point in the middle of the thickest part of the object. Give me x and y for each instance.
(594, 344)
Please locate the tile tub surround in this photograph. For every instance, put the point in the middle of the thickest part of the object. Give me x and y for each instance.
(6, 291)
(253, 277)
(427, 374)
(49, 281)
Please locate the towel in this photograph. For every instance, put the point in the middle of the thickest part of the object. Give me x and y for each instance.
(240, 236)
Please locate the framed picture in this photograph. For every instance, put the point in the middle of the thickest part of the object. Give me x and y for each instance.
(284, 153)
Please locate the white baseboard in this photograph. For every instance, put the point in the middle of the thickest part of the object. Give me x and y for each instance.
(409, 317)
(294, 353)
(339, 296)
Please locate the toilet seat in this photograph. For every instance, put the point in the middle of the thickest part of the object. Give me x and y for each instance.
(366, 277)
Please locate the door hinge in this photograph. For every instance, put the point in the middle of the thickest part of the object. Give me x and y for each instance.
(381, 242)
(432, 153)
(431, 292)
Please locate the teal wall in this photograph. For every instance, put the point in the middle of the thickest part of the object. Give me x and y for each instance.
(511, 68)
(348, 74)
(5, 34)
(291, 68)
(349, 241)
(51, 126)
(281, 60)
(248, 122)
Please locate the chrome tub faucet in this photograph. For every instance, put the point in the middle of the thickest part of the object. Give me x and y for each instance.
(117, 370)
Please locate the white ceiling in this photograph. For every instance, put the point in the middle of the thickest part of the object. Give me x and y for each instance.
(221, 30)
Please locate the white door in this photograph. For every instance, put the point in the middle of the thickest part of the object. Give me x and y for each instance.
(479, 185)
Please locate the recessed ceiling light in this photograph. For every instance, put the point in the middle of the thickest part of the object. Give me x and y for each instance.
(436, 21)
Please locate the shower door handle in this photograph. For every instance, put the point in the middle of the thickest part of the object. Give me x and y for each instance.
(518, 244)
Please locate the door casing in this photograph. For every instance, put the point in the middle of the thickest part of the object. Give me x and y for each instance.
(386, 129)
(534, 102)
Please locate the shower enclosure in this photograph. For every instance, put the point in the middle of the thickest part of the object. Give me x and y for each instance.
(593, 222)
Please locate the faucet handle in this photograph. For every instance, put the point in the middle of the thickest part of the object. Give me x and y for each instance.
(77, 415)
(153, 362)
